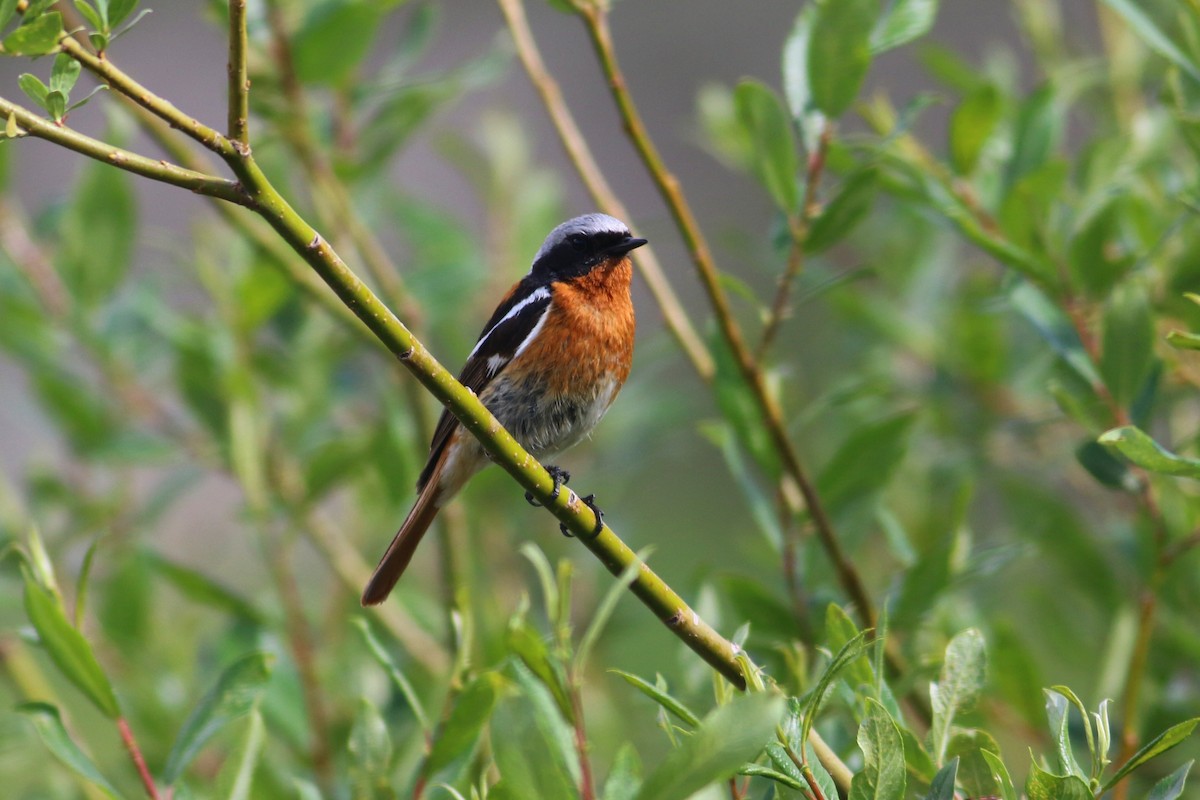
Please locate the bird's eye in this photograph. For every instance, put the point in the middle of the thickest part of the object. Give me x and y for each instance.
(578, 242)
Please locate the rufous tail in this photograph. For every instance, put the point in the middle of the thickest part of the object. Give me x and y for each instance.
(401, 550)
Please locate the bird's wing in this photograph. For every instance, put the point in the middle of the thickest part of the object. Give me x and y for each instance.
(515, 322)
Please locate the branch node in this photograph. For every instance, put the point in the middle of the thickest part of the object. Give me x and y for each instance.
(316, 242)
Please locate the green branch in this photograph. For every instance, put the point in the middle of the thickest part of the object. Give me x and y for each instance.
(28, 123)
(121, 82)
(595, 17)
(239, 83)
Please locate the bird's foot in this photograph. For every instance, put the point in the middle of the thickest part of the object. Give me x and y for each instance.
(560, 476)
(590, 502)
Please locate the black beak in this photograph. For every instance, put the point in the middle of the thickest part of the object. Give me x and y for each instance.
(624, 246)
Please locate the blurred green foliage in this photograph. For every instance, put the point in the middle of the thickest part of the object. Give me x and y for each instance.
(989, 368)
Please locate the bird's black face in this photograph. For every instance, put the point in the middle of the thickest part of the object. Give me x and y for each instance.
(578, 252)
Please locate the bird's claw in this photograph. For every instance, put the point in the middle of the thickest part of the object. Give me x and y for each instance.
(560, 476)
(590, 502)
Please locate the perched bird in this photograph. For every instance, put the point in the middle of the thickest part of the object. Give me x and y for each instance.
(548, 364)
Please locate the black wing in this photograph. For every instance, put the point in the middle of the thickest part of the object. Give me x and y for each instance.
(510, 326)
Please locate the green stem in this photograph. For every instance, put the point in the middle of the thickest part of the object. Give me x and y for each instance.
(121, 82)
(162, 171)
(474, 416)
(239, 83)
(595, 17)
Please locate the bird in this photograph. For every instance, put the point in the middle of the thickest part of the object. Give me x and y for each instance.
(548, 365)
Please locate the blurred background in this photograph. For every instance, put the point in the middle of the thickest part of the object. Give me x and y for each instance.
(240, 455)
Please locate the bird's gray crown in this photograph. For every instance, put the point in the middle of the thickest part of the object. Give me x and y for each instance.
(588, 224)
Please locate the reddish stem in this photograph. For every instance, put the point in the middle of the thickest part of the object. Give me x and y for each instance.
(138, 762)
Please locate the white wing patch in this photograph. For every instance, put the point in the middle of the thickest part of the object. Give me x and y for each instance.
(535, 296)
(495, 363)
(533, 333)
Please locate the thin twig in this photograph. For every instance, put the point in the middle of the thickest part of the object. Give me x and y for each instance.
(296, 628)
(28, 257)
(139, 762)
(121, 82)
(331, 192)
(587, 789)
(674, 314)
(163, 171)
(239, 82)
(798, 230)
(595, 17)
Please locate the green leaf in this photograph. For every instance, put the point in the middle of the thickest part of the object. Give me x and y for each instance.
(34, 89)
(49, 725)
(839, 52)
(963, 674)
(533, 745)
(1171, 787)
(90, 13)
(251, 750)
(7, 9)
(56, 105)
(1128, 341)
(1101, 251)
(848, 207)
(99, 231)
(784, 764)
(1042, 785)
(976, 778)
(971, 125)
(235, 694)
(1000, 775)
(727, 738)
(200, 588)
(460, 732)
(370, 749)
(840, 630)
(761, 113)
(903, 21)
(942, 786)
(624, 777)
(1184, 340)
(1053, 326)
(335, 38)
(1058, 712)
(67, 647)
(762, 508)
(796, 89)
(604, 610)
(402, 683)
(529, 646)
(850, 652)
(1160, 744)
(64, 74)
(883, 774)
(1153, 35)
(118, 10)
(849, 479)
(1106, 468)
(1148, 454)
(660, 696)
(36, 38)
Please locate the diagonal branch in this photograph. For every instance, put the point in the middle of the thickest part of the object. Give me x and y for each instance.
(122, 83)
(595, 18)
(163, 171)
